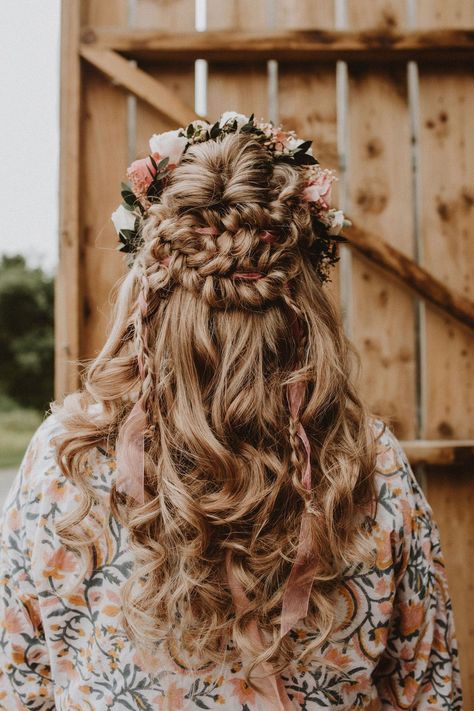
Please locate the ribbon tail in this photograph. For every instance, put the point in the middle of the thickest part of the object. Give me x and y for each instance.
(273, 685)
(130, 454)
(298, 588)
(300, 581)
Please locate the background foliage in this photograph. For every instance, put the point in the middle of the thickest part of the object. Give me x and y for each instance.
(26, 334)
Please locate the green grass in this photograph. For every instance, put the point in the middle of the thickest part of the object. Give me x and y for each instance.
(16, 428)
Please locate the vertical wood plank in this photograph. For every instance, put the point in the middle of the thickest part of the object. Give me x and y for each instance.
(104, 127)
(236, 88)
(447, 200)
(305, 14)
(67, 304)
(455, 13)
(451, 494)
(307, 95)
(180, 78)
(379, 178)
(387, 15)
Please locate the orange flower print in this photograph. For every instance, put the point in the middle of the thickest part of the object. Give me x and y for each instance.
(14, 520)
(335, 657)
(243, 691)
(12, 621)
(56, 490)
(411, 617)
(173, 700)
(18, 654)
(384, 558)
(60, 562)
(69, 669)
(75, 636)
(386, 461)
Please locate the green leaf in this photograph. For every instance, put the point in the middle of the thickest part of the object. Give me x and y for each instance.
(303, 147)
(129, 198)
(162, 164)
(128, 234)
(304, 159)
(215, 130)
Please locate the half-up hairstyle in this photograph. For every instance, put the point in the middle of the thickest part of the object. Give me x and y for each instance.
(209, 353)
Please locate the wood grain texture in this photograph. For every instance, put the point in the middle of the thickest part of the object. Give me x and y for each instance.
(447, 200)
(382, 15)
(447, 180)
(448, 454)
(315, 46)
(305, 14)
(412, 276)
(235, 88)
(67, 298)
(307, 97)
(151, 90)
(455, 13)
(104, 161)
(179, 79)
(379, 178)
(451, 495)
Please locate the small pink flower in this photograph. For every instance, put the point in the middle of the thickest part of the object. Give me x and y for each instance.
(141, 173)
(319, 189)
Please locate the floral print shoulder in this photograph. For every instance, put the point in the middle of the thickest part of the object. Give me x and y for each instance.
(395, 643)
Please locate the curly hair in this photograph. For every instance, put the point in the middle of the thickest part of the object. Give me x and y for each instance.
(211, 358)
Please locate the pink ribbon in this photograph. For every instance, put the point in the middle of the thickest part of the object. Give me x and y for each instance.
(207, 230)
(130, 448)
(300, 581)
(272, 684)
(247, 275)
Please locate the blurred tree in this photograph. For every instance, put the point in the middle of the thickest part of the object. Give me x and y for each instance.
(26, 333)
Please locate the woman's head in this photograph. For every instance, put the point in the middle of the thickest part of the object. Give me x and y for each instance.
(222, 309)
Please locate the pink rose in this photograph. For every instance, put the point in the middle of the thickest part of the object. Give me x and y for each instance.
(319, 189)
(280, 138)
(141, 173)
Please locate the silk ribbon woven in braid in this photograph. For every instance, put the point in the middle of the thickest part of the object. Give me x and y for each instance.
(130, 449)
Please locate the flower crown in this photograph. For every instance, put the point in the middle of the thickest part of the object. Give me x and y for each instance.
(149, 176)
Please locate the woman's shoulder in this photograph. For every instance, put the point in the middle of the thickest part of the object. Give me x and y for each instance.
(40, 481)
(392, 465)
(402, 505)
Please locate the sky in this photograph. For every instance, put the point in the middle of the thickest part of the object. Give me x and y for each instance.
(29, 129)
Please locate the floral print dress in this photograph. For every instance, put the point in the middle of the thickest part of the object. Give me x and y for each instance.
(395, 642)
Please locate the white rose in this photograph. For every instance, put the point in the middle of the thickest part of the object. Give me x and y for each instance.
(292, 144)
(204, 125)
(233, 116)
(169, 145)
(336, 222)
(123, 219)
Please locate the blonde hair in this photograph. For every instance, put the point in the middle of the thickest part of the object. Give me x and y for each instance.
(223, 463)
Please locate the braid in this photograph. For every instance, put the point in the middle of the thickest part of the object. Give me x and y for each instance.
(297, 456)
(142, 346)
